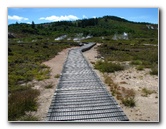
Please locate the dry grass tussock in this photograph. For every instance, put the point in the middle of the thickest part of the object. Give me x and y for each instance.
(126, 96)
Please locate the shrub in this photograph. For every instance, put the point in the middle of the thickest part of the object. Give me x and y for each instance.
(108, 80)
(92, 62)
(146, 92)
(17, 88)
(154, 71)
(129, 102)
(136, 62)
(42, 74)
(29, 118)
(19, 102)
(140, 67)
(49, 86)
(57, 76)
(126, 96)
(24, 65)
(138, 54)
(108, 66)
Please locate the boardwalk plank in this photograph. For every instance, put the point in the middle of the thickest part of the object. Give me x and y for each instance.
(80, 94)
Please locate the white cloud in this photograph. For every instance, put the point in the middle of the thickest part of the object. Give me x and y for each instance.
(84, 16)
(59, 18)
(122, 17)
(17, 18)
(28, 22)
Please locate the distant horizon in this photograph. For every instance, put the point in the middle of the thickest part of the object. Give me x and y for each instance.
(47, 22)
(47, 15)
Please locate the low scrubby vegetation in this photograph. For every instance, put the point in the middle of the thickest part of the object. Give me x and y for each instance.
(126, 96)
(57, 76)
(129, 102)
(146, 92)
(154, 70)
(48, 86)
(29, 118)
(24, 62)
(21, 101)
(105, 66)
(31, 44)
(24, 65)
(138, 53)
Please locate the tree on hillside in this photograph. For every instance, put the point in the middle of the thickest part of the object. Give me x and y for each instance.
(33, 25)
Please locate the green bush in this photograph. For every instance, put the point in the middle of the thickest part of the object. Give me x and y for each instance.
(138, 54)
(140, 67)
(16, 88)
(136, 62)
(29, 118)
(42, 74)
(24, 65)
(21, 101)
(129, 102)
(146, 92)
(154, 71)
(49, 86)
(57, 76)
(105, 66)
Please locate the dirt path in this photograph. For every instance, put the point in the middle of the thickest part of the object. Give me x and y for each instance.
(147, 108)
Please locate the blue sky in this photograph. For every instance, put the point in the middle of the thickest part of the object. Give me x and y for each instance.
(42, 15)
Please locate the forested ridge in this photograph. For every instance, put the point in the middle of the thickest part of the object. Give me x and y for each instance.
(96, 27)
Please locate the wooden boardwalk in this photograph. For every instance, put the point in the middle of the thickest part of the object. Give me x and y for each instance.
(80, 94)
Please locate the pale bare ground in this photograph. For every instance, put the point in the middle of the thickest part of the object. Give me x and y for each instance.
(147, 108)
(46, 94)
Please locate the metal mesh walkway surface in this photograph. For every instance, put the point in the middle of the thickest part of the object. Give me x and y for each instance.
(80, 94)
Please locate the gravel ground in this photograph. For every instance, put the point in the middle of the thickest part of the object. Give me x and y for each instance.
(147, 108)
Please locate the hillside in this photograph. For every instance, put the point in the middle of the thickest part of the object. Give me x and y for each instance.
(122, 44)
(94, 28)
